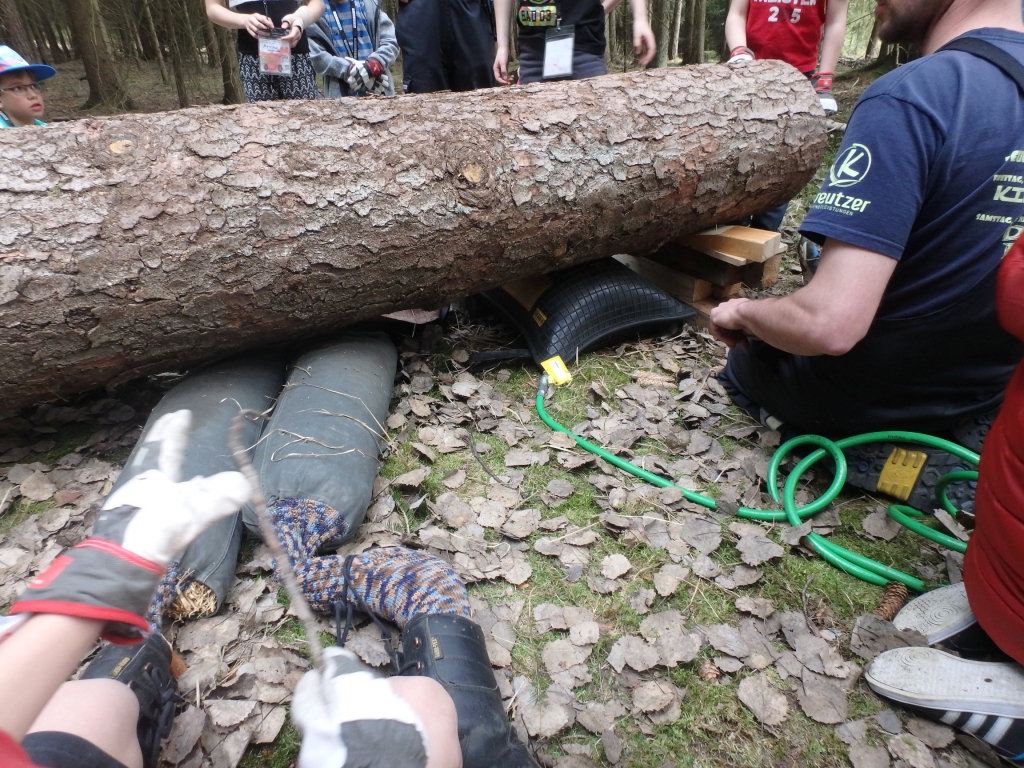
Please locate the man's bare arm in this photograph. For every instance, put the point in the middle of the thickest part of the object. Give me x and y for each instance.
(826, 317)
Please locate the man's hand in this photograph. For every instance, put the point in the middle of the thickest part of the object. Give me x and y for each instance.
(644, 45)
(740, 53)
(501, 66)
(256, 24)
(726, 325)
(141, 527)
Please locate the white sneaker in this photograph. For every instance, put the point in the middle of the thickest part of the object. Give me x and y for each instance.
(938, 614)
(982, 698)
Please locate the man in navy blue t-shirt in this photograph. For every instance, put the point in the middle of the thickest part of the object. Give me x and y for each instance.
(898, 330)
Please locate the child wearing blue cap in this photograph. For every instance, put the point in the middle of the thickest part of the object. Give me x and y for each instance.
(21, 100)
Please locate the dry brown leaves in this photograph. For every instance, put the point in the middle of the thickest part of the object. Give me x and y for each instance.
(76, 487)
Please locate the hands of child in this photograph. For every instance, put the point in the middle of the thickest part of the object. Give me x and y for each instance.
(350, 716)
(740, 53)
(295, 26)
(644, 45)
(501, 66)
(363, 76)
(257, 24)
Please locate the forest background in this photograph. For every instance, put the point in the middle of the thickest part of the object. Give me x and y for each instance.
(151, 55)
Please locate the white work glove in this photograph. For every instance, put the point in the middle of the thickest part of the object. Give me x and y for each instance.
(141, 528)
(351, 718)
(740, 53)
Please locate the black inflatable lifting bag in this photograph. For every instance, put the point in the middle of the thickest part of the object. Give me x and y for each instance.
(590, 305)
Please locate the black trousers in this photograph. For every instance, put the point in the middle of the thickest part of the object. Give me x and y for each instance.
(57, 749)
(926, 373)
(447, 45)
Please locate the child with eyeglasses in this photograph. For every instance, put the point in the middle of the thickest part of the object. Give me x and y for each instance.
(21, 99)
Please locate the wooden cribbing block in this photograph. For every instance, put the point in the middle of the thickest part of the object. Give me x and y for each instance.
(675, 283)
(715, 271)
(738, 242)
(769, 272)
(726, 291)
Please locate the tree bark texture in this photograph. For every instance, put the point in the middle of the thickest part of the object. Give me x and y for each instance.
(142, 243)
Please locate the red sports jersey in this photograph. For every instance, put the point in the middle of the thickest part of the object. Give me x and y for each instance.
(786, 29)
(993, 568)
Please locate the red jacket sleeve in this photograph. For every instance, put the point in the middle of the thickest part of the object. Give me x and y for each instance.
(1010, 291)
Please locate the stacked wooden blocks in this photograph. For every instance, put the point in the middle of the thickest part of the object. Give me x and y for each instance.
(710, 266)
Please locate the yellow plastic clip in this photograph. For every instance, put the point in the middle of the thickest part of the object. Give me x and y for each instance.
(557, 373)
(900, 473)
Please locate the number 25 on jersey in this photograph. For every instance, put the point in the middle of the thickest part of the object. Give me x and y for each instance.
(774, 11)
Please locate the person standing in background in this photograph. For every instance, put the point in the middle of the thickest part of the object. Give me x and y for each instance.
(352, 47)
(543, 21)
(792, 32)
(258, 19)
(447, 45)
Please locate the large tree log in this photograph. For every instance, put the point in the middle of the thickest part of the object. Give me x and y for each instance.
(143, 243)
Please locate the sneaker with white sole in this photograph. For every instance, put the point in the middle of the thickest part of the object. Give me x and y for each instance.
(938, 615)
(985, 699)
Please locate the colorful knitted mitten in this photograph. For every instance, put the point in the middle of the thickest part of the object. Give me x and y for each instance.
(393, 582)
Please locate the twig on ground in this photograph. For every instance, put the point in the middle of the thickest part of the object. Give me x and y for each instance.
(803, 602)
(270, 538)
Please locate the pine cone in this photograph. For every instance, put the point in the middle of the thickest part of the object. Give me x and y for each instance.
(895, 597)
(709, 671)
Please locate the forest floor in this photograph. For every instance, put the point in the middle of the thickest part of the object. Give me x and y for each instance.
(627, 626)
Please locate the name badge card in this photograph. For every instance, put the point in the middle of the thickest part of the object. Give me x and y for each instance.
(558, 49)
(275, 56)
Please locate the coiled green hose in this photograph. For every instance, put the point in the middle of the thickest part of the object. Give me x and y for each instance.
(855, 564)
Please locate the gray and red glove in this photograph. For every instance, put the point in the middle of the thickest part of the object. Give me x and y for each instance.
(141, 528)
(822, 82)
(740, 53)
(365, 76)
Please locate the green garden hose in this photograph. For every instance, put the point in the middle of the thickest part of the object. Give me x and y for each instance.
(856, 565)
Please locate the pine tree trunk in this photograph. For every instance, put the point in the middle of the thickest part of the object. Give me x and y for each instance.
(610, 39)
(677, 21)
(152, 33)
(700, 9)
(874, 43)
(105, 89)
(57, 51)
(177, 63)
(143, 243)
(229, 67)
(212, 45)
(14, 24)
(664, 11)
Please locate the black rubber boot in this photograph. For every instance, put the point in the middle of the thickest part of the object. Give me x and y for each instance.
(451, 650)
(146, 669)
(908, 473)
(971, 433)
